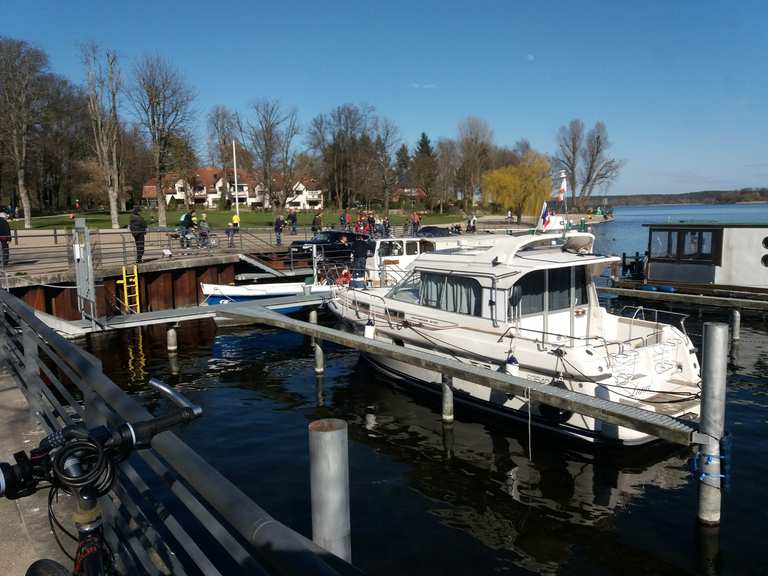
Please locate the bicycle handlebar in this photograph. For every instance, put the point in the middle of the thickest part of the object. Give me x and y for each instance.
(21, 479)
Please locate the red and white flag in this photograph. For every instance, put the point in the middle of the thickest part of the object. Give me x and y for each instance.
(562, 191)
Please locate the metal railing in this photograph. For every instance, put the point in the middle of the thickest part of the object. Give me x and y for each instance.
(170, 511)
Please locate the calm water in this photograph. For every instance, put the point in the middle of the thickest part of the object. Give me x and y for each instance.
(471, 499)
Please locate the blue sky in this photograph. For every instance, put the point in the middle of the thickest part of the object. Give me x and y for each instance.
(682, 86)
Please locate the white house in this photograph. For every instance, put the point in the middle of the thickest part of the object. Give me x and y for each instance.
(305, 195)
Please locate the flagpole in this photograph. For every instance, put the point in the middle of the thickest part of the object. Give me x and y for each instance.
(237, 195)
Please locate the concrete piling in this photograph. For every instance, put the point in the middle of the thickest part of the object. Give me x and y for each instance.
(172, 340)
(735, 325)
(447, 399)
(329, 484)
(319, 356)
(712, 421)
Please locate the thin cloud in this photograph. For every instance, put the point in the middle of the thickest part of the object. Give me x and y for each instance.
(423, 86)
(530, 57)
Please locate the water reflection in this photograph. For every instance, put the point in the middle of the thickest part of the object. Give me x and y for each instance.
(474, 483)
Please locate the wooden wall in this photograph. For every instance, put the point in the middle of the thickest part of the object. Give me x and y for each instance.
(157, 291)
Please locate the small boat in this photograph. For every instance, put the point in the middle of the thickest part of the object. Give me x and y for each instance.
(527, 305)
(711, 259)
(386, 265)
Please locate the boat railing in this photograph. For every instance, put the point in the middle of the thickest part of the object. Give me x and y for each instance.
(641, 310)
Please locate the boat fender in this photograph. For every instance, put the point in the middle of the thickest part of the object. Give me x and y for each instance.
(551, 413)
(345, 277)
(648, 288)
(370, 330)
(512, 366)
(669, 289)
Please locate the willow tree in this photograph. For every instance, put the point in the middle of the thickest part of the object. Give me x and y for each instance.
(521, 188)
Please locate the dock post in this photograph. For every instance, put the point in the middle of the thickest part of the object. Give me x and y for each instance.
(172, 340)
(447, 398)
(329, 485)
(319, 357)
(735, 325)
(712, 421)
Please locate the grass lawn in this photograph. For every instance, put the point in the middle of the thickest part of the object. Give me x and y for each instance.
(217, 219)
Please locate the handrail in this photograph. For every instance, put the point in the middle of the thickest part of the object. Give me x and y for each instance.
(280, 548)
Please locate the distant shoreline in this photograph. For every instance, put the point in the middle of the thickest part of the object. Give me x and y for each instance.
(724, 197)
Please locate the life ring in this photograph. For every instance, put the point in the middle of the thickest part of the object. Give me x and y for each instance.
(345, 277)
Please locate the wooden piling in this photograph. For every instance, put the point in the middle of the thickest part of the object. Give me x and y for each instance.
(447, 399)
(319, 356)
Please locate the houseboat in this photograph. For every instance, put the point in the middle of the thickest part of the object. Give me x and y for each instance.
(702, 258)
(527, 305)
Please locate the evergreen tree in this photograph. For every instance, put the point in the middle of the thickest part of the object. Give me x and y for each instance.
(402, 164)
(424, 166)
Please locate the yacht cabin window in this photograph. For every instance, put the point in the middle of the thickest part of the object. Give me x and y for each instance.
(390, 248)
(447, 292)
(531, 290)
(411, 248)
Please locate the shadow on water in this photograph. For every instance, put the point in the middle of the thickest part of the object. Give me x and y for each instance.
(435, 499)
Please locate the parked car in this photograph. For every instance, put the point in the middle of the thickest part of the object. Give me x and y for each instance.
(329, 246)
(436, 232)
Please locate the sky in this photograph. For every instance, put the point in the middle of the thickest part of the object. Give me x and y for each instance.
(682, 86)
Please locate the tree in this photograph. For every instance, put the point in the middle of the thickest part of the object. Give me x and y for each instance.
(183, 161)
(522, 188)
(424, 167)
(162, 102)
(102, 87)
(383, 148)
(570, 140)
(475, 143)
(597, 170)
(286, 153)
(264, 138)
(448, 166)
(584, 159)
(22, 70)
(222, 126)
(402, 164)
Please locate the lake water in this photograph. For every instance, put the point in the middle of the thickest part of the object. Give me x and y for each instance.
(469, 499)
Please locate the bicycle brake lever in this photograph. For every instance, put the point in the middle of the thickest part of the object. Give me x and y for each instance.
(175, 396)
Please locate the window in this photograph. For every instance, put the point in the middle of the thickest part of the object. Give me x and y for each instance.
(408, 289)
(532, 292)
(390, 249)
(457, 294)
(411, 248)
(529, 291)
(663, 244)
(697, 244)
(426, 246)
(764, 260)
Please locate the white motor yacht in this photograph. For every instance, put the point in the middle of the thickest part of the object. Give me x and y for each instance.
(527, 305)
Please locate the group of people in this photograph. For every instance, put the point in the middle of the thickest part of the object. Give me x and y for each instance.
(368, 222)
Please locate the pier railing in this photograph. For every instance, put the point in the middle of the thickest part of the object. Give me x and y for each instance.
(170, 512)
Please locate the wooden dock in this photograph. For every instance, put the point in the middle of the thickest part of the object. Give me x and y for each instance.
(688, 299)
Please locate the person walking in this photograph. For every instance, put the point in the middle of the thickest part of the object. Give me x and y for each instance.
(187, 227)
(138, 228)
(317, 222)
(279, 225)
(5, 237)
(292, 220)
(204, 230)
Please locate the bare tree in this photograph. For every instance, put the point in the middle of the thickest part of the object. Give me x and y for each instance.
(264, 137)
(287, 135)
(162, 101)
(385, 144)
(475, 143)
(103, 85)
(597, 171)
(22, 69)
(570, 140)
(584, 159)
(222, 126)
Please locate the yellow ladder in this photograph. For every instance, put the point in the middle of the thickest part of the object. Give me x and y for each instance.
(130, 282)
